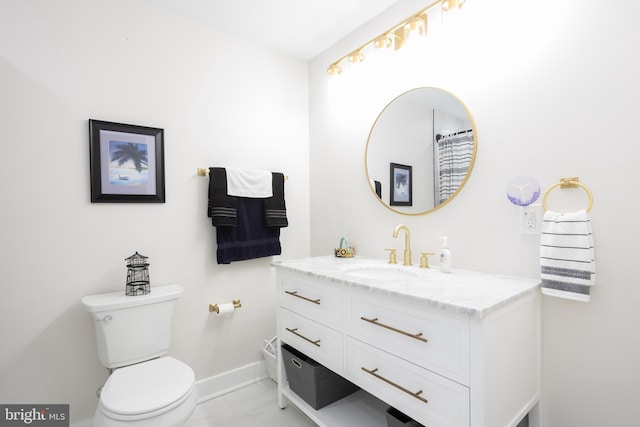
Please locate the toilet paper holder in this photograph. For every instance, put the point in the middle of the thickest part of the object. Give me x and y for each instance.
(216, 307)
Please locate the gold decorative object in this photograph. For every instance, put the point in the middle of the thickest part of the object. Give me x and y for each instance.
(344, 251)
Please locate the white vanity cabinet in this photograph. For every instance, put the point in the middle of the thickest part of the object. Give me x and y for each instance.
(458, 350)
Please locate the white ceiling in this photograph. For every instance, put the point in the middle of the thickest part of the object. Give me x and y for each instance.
(300, 28)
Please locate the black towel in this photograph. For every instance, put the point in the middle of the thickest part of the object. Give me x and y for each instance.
(275, 211)
(251, 238)
(222, 208)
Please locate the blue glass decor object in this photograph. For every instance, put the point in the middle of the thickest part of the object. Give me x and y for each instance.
(523, 191)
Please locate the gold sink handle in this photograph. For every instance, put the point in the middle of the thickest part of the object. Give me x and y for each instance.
(392, 256)
(424, 259)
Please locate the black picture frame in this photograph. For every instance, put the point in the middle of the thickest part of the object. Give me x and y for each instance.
(401, 185)
(126, 163)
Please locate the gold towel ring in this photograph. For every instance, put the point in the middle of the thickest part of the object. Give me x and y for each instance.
(568, 183)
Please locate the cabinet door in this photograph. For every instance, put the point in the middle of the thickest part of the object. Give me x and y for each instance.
(426, 337)
(427, 397)
(315, 299)
(317, 341)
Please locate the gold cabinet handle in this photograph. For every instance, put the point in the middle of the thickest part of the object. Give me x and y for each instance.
(374, 372)
(295, 294)
(294, 332)
(374, 321)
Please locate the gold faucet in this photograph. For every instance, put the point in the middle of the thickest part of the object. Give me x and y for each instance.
(407, 242)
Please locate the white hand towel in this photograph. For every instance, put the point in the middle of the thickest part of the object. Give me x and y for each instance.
(256, 184)
(567, 255)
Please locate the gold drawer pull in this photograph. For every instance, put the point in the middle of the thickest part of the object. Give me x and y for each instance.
(417, 336)
(293, 331)
(399, 387)
(295, 294)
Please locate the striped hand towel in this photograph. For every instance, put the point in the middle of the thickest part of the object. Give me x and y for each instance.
(221, 208)
(275, 209)
(566, 255)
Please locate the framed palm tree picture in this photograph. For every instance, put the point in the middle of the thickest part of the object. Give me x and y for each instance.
(126, 163)
(401, 191)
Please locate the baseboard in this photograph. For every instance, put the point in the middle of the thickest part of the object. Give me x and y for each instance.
(226, 382)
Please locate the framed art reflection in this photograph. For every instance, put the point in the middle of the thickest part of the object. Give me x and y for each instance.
(401, 185)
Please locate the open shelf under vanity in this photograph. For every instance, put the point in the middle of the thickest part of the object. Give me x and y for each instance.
(359, 409)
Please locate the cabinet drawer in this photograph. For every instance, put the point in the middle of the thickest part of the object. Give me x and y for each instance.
(433, 340)
(311, 338)
(427, 397)
(316, 299)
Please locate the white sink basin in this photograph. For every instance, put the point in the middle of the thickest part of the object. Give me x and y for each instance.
(382, 273)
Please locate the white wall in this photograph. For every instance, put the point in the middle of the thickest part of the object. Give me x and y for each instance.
(553, 90)
(221, 102)
(403, 135)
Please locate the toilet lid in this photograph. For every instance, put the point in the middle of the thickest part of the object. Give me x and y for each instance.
(146, 387)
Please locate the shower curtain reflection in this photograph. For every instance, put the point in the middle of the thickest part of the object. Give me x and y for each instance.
(453, 156)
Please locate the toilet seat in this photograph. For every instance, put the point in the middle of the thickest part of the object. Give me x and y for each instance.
(147, 389)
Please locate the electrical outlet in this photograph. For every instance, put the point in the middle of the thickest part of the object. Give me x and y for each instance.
(531, 219)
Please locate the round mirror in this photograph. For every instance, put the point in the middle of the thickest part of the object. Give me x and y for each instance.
(420, 151)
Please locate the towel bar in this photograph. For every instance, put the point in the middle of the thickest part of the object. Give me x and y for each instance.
(572, 182)
(205, 172)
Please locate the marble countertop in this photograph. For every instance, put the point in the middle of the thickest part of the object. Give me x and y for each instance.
(465, 292)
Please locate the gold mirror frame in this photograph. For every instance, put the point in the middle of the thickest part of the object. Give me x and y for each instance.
(471, 163)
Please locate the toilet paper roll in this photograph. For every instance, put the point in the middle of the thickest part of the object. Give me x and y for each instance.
(225, 308)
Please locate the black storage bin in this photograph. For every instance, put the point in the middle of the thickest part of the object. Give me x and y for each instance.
(396, 418)
(315, 384)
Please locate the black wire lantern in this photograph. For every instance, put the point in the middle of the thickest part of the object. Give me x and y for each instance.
(137, 275)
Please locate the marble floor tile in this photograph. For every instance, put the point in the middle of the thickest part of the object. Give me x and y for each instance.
(254, 405)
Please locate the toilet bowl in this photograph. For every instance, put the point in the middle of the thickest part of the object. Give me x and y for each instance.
(157, 393)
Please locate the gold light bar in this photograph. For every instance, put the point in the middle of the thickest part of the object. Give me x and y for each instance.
(395, 35)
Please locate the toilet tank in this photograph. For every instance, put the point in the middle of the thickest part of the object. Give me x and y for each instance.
(132, 329)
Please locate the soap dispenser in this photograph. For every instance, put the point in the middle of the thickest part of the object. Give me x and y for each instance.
(445, 256)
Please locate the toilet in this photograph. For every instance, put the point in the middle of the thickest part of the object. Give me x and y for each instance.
(146, 388)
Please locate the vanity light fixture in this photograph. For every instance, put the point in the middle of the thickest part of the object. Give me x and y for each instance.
(383, 42)
(448, 5)
(416, 25)
(396, 35)
(356, 57)
(334, 69)
(413, 27)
